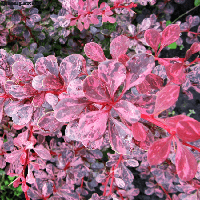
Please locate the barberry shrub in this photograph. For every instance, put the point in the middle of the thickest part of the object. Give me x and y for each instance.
(63, 116)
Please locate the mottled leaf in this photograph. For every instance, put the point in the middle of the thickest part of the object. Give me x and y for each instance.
(75, 88)
(120, 137)
(127, 110)
(188, 129)
(95, 90)
(186, 164)
(159, 151)
(22, 114)
(69, 109)
(170, 35)
(48, 123)
(42, 152)
(152, 38)
(113, 73)
(51, 82)
(71, 67)
(139, 66)
(119, 46)
(38, 99)
(23, 70)
(139, 132)
(93, 125)
(175, 73)
(166, 98)
(94, 52)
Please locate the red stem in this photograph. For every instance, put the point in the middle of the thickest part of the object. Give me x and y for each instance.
(189, 145)
(151, 119)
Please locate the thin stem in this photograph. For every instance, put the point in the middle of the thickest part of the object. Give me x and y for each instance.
(151, 119)
(189, 145)
(185, 14)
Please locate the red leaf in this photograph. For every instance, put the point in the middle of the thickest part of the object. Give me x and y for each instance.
(120, 137)
(69, 109)
(166, 98)
(95, 90)
(188, 129)
(159, 151)
(186, 164)
(193, 49)
(119, 46)
(42, 152)
(71, 67)
(139, 66)
(176, 73)
(155, 81)
(170, 35)
(93, 125)
(139, 132)
(152, 38)
(128, 111)
(48, 123)
(94, 52)
(113, 73)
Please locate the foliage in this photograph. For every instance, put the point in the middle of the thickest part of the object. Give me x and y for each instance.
(81, 83)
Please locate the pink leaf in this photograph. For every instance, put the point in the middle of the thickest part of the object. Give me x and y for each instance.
(42, 152)
(17, 92)
(139, 66)
(139, 132)
(127, 110)
(93, 125)
(120, 137)
(45, 65)
(68, 109)
(119, 46)
(48, 123)
(170, 35)
(166, 98)
(75, 88)
(51, 82)
(51, 99)
(186, 164)
(94, 52)
(95, 90)
(37, 83)
(23, 70)
(113, 73)
(22, 114)
(153, 38)
(159, 151)
(71, 67)
(38, 99)
(14, 156)
(188, 129)
(119, 182)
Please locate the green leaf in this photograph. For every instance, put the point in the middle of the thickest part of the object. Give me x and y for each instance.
(181, 47)
(196, 3)
(173, 45)
(168, 23)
